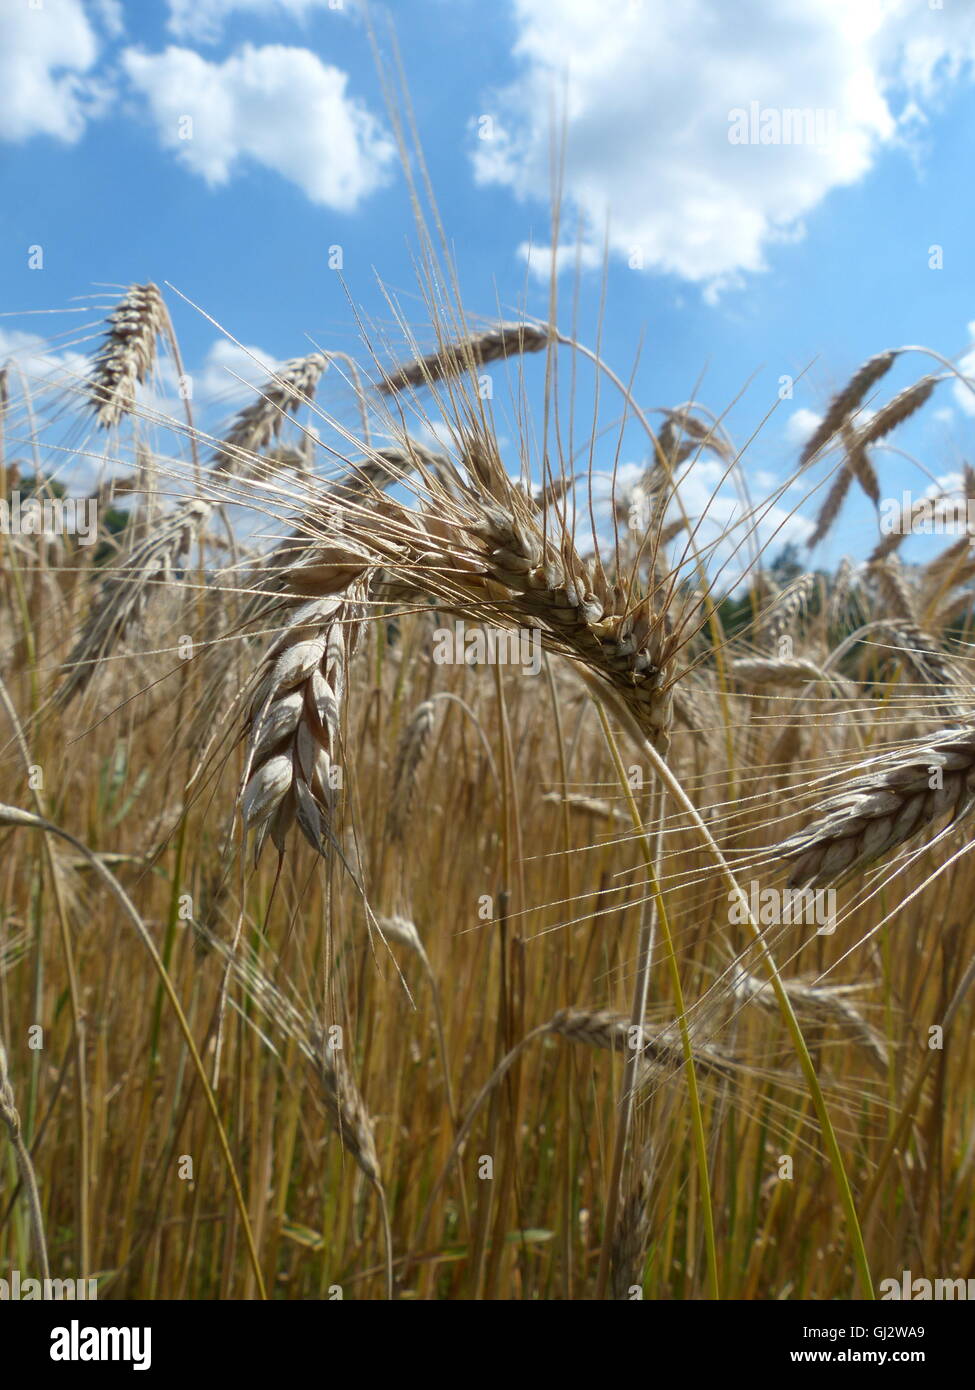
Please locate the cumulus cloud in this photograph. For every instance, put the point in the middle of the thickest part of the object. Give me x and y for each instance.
(203, 20)
(965, 395)
(715, 509)
(703, 132)
(46, 57)
(800, 425)
(229, 372)
(539, 258)
(279, 107)
(109, 15)
(38, 361)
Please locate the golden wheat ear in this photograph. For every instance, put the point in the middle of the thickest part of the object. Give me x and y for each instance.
(126, 357)
(900, 797)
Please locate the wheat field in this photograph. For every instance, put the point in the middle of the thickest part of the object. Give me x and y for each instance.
(342, 958)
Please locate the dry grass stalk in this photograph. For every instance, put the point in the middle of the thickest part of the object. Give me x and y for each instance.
(11, 1119)
(403, 930)
(343, 1100)
(631, 1238)
(952, 566)
(840, 589)
(832, 505)
(934, 667)
(588, 805)
(895, 589)
(787, 608)
(412, 747)
(661, 1052)
(858, 462)
(124, 595)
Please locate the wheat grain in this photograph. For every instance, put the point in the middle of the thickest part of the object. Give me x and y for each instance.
(816, 1003)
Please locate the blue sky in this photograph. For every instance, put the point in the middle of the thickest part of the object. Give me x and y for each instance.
(733, 264)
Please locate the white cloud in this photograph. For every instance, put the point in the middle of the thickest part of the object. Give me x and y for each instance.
(203, 20)
(965, 395)
(46, 56)
(649, 91)
(39, 362)
(229, 372)
(220, 384)
(539, 258)
(711, 500)
(109, 15)
(279, 107)
(800, 425)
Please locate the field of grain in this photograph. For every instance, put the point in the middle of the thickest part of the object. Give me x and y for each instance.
(334, 964)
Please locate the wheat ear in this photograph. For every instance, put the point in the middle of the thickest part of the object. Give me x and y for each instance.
(842, 406)
(293, 765)
(477, 350)
(893, 800)
(126, 356)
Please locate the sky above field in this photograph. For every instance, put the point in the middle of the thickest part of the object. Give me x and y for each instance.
(776, 189)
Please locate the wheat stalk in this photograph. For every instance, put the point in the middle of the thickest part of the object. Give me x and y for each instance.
(787, 608)
(900, 408)
(11, 1119)
(123, 597)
